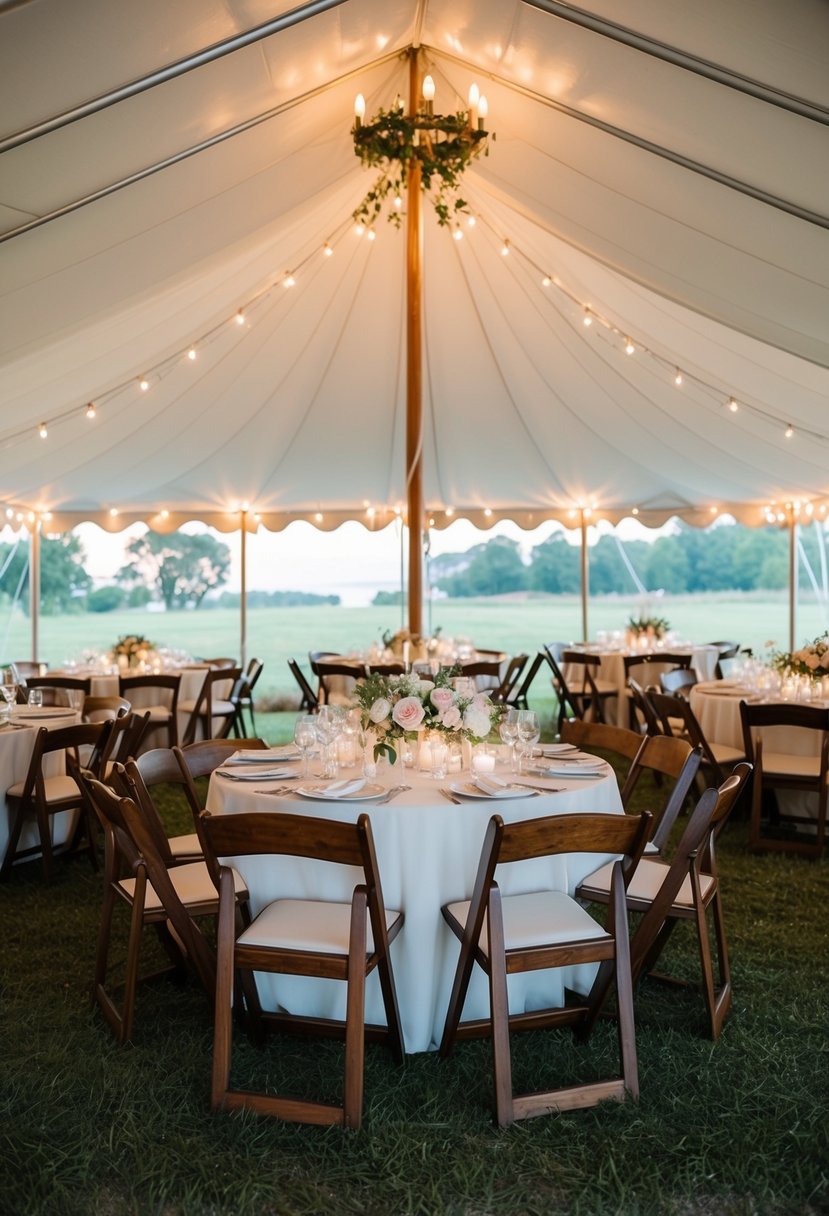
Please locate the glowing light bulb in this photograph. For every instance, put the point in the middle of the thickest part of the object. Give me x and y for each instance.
(471, 221)
(42, 430)
(588, 320)
(483, 110)
(289, 280)
(143, 384)
(487, 512)
(359, 110)
(732, 405)
(428, 88)
(457, 234)
(635, 511)
(474, 96)
(505, 249)
(327, 250)
(789, 431)
(629, 347)
(398, 202)
(240, 317)
(678, 378)
(191, 354)
(372, 235)
(546, 281)
(90, 410)
(359, 229)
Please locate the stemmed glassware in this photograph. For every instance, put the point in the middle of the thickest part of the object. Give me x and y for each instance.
(529, 732)
(305, 736)
(9, 689)
(508, 730)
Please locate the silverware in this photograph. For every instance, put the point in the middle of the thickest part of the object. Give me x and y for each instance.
(539, 789)
(391, 793)
(280, 793)
(448, 794)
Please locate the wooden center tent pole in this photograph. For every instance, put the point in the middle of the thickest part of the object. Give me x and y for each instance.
(414, 369)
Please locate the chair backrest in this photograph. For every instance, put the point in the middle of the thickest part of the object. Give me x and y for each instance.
(68, 739)
(667, 757)
(24, 668)
(125, 736)
(308, 698)
(678, 681)
(678, 718)
(661, 658)
(251, 674)
(167, 685)
(386, 669)
(220, 663)
(203, 708)
(61, 690)
(695, 849)
(565, 697)
(127, 781)
(783, 713)
(602, 735)
(546, 837)
(200, 759)
(134, 829)
(520, 694)
(501, 695)
(249, 834)
(483, 667)
(159, 766)
(641, 699)
(326, 669)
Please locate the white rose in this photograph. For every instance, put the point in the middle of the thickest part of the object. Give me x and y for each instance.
(451, 718)
(476, 720)
(380, 710)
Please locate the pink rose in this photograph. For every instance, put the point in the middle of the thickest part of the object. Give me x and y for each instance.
(442, 698)
(408, 713)
(451, 717)
(812, 661)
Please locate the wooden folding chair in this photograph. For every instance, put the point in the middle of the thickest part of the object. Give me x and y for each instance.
(645, 669)
(343, 941)
(162, 690)
(508, 934)
(589, 691)
(503, 694)
(520, 695)
(678, 718)
(684, 888)
(567, 702)
(61, 690)
(308, 698)
(167, 899)
(776, 768)
(40, 797)
(602, 736)
(663, 756)
(200, 759)
(210, 706)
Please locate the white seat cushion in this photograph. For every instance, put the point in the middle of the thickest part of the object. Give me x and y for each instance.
(307, 924)
(158, 713)
(181, 846)
(57, 789)
(647, 879)
(538, 919)
(724, 754)
(783, 764)
(192, 883)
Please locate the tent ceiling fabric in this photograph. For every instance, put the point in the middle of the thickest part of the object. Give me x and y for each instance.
(685, 204)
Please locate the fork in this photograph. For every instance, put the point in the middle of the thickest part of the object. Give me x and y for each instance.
(448, 794)
(391, 793)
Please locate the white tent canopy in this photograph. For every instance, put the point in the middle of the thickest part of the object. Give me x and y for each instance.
(671, 176)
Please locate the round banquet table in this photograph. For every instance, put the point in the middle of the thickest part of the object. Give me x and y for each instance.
(427, 851)
(192, 678)
(717, 708)
(16, 743)
(612, 671)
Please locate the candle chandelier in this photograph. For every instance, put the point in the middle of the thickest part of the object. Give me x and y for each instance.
(440, 146)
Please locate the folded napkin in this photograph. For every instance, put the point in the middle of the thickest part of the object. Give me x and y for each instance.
(490, 785)
(343, 789)
(555, 749)
(570, 769)
(265, 755)
(256, 773)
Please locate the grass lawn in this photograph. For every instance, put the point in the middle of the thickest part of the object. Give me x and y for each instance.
(737, 1127)
(514, 625)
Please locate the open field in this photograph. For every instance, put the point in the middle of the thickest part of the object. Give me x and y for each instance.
(512, 624)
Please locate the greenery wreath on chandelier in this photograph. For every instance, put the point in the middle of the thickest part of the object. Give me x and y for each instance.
(444, 145)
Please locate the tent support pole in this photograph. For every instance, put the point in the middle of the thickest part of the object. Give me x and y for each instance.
(34, 587)
(585, 578)
(414, 370)
(243, 597)
(792, 578)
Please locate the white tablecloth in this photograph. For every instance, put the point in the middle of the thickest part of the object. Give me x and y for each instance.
(717, 707)
(15, 754)
(612, 671)
(427, 850)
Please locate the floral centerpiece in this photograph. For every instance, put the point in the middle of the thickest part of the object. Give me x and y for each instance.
(133, 647)
(651, 626)
(811, 660)
(397, 707)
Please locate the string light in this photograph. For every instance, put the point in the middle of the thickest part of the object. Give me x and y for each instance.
(327, 250)
(789, 431)
(471, 221)
(42, 430)
(588, 319)
(678, 378)
(191, 354)
(289, 280)
(458, 234)
(505, 249)
(629, 347)
(732, 405)
(372, 235)
(90, 410)
(546, 281)
(240, 317)
(143, 384)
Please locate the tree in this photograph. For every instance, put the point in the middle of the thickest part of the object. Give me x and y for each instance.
(63, 580)
(105, 599)
(495, 569)
(183, 567)
(556, 566)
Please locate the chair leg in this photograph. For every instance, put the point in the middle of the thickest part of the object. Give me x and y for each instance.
(223, 1021)
(718, 1002)
(624, 995)
(499, 1012)
(389, 993)
(355, 1039)
(14, 838)
(44, 827)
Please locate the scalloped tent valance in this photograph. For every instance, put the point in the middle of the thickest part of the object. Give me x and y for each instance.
(173, 177)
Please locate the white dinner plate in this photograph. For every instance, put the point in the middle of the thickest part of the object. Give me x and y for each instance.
(468, 789)
(320, 793)
(554, 749)
(242, 773)
(42, 711)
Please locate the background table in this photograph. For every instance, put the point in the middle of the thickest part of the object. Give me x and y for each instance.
(612, 671)
(192, 679)
(427, 850)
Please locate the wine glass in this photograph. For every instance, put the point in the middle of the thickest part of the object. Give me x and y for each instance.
(9, 689)
(529, 731)
(508, 730)
(305, 736)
